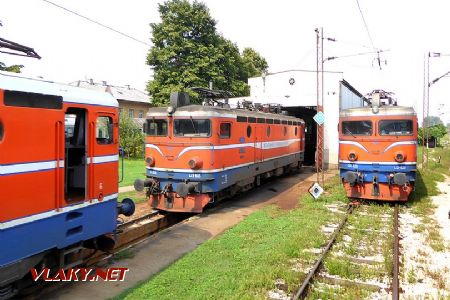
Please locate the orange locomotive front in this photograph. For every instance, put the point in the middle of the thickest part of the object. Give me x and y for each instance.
(199, 154)
(378, 152)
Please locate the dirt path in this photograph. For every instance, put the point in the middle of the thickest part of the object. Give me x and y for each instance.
(426, 249)
(162, 249)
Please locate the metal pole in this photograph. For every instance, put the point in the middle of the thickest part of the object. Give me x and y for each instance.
(428, 107)
(322, 108)
(423, 110)
(318, 95)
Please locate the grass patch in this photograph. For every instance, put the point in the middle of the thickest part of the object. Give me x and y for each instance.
(133, 168)
(245, 261)
(137, 197)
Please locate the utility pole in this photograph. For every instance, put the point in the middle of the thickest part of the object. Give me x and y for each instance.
(426, 129)
(424, 106)
(320, 89)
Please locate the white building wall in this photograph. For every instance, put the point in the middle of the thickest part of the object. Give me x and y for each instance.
(277, 88)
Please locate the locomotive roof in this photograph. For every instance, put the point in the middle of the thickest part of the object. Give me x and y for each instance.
(215, 111)
(383, 111)
(18, 82)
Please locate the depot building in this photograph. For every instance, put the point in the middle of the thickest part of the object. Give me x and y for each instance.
(296, 91)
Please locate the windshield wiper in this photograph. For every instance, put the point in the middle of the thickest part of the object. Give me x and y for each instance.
(193, 126)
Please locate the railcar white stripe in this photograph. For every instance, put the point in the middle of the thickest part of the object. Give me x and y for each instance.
(104, 159)
(356, 144)
(219, 170)
(376, 162)
(28, 167)
(48, 214)
(20, 168)
(400, 144)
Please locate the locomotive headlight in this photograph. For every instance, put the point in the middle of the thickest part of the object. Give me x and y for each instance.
(150, 160)
(352, 156)
(170, 110)
(399, 156)
(195, 163)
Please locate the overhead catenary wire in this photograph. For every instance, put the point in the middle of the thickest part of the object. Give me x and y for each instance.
(98, 23)
(365, 25)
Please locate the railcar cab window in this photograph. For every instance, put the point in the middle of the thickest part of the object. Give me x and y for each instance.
(225, 130)
(104, 132)
(192, 127)
(395, 127)
(357, 128)
(156, 127)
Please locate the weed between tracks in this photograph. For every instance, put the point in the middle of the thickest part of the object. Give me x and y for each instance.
(245, 261)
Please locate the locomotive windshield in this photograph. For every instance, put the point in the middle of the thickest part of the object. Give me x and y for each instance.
(395, 127)
(192, 127)
(357, 128)
(156, 127)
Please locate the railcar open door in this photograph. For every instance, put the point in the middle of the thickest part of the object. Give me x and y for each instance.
(75, 162)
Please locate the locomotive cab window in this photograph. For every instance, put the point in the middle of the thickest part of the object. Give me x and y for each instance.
(395, 127)
(357, 128)
(192, 127)
(156, 127)
(225, 130)
(104, 131)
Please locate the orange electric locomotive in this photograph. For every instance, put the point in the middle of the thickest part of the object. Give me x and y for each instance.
(378, 151)
(198, 154)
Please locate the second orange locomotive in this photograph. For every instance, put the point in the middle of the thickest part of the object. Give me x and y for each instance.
(378, 151)
(197, 154)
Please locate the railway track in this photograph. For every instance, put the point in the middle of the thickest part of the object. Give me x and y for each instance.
(315, 274)
(128, 235)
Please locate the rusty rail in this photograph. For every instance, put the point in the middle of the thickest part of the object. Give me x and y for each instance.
(395, 273)
(302, 291)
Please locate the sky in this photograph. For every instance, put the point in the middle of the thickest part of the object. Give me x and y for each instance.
(282, 31)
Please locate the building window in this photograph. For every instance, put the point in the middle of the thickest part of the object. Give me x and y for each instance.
(104, 134)
(141, 114)
(120, 110)
(131, 113)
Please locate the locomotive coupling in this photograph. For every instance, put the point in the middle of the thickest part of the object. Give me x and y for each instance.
(140, 184)
(184, 189)
(126, 207)
(400, 179)
(351, 177)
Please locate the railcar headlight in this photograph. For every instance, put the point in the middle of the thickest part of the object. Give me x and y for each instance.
(170, 110)
(195, 163)
(150, 160)
(352, 156)
(399, 156)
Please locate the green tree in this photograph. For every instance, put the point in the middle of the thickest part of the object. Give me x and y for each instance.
(12, 68)
(131, 137)
(254, 63)
(437, 131)
(188, 52)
